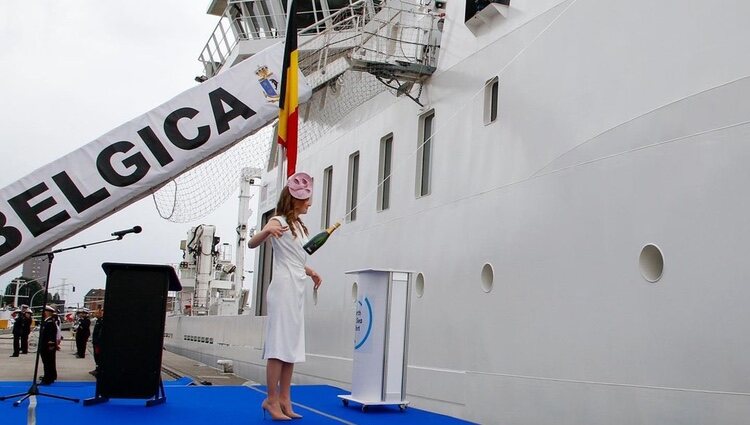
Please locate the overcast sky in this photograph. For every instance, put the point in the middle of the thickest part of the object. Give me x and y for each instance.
(73, 70)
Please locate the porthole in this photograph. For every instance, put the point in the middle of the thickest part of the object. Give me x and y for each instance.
(651, 262)
(488, 277)
(419, 285)
(355, 288)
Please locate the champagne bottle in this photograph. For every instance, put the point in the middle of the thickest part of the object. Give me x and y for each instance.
(318, 240)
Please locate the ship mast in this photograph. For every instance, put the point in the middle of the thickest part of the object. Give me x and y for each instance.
(247, 180)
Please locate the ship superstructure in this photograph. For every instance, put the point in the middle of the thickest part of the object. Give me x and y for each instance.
(565, 179)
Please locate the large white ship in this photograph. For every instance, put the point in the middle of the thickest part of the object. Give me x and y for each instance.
(563, 179)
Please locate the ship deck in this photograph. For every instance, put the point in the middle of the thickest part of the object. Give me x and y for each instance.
(196, 394)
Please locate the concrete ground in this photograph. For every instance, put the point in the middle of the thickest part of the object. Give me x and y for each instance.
(178, 366)
(70, 368)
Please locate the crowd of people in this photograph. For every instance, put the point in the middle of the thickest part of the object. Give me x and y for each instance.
(50, 337)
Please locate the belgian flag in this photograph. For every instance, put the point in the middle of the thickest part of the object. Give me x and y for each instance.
(289, 96)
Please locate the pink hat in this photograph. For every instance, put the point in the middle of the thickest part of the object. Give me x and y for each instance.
(300, 185)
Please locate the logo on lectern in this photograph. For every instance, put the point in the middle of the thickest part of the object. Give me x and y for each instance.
(362, 323)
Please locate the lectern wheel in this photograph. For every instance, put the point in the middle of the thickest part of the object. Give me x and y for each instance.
(345, 401)
(364, 408)
(402, 407)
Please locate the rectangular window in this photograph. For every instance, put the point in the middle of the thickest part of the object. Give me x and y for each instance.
(384, 173)
(424, 153)
(327, 194)
(352, 187)
(491, 90)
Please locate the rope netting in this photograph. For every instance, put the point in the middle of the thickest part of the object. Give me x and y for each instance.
(198, 192)
(331, 104)
(203, 189)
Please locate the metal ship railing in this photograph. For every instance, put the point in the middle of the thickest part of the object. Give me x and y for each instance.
(393, 40)
(257, 21)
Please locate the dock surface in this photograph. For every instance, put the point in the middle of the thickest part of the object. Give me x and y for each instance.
(72, 369)
(196, 394)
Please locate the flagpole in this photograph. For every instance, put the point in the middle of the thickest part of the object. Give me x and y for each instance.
(288, 125)
(282, 170)
(280, 180)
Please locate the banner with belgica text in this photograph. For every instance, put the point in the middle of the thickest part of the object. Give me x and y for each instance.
(136, 158)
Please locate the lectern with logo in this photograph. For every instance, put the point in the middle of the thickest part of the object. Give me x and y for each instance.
(381, 336)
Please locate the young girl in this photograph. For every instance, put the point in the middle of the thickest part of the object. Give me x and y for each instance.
(285, 331)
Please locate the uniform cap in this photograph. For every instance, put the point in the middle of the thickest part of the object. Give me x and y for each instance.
(300, 185)
(49, 308)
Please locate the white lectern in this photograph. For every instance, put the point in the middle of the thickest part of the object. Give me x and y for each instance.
(381, 336)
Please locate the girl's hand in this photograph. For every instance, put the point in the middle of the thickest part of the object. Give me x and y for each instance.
(275, 229)
(317, 280)
(272, 228)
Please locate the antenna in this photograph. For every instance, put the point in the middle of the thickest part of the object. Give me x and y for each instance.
(63, 289)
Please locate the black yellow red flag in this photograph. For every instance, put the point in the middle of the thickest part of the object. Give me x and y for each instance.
(289, 96)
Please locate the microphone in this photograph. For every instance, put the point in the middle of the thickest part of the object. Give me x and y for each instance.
(121, 233)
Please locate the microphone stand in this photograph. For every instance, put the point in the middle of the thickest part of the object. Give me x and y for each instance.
(34, 389)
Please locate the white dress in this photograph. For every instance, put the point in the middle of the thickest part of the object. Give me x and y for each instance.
(285, 299)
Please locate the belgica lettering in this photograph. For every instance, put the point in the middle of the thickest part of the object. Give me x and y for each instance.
(135, 159)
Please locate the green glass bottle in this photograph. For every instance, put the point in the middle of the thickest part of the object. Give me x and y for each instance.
(318, 240)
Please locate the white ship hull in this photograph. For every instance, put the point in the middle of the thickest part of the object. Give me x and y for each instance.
(621, 124)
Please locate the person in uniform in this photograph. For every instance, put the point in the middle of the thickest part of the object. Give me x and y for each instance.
(48, 346)
(26, 329)
(284, 342)
(18, 326)
(83, 333)
(96, 341)
(59, 337)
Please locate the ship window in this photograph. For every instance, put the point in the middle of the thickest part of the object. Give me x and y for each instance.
(488, 277)
(651, 262)
(384, 173)
(419, 285)
(352, 185)
(424, 153)
(475, 6)
(491, 89)
(327, 193)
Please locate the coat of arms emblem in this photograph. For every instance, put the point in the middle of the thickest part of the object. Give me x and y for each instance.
(268, 83)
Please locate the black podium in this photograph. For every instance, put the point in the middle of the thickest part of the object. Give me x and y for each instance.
(135, 307)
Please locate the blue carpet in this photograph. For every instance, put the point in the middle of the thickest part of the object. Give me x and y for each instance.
(325, 398)
(181, 382)
(188, 405)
